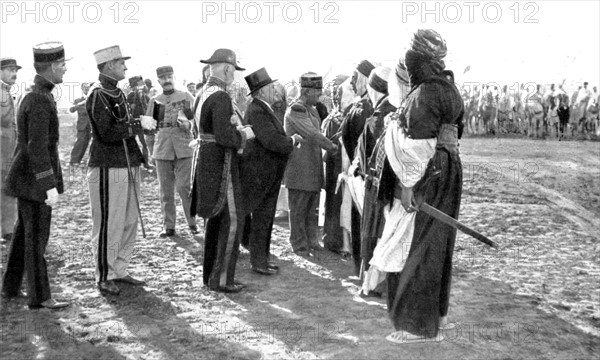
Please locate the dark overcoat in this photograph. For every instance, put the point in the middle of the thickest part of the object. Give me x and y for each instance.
(265, 158)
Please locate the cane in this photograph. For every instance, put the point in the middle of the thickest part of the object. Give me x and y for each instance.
(137, 201)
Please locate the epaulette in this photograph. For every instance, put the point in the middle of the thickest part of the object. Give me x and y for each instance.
(298, 108)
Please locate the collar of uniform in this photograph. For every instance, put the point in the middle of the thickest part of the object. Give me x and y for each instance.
(43, 83)
(108, 82)
(216, 82)
(169, 92)
(5, 86)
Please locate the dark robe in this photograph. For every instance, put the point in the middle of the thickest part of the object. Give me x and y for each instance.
(332, 230)
(372, 221)
(419, 295)
(354, 122)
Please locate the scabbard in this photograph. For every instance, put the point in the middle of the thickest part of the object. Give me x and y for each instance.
(449, 220)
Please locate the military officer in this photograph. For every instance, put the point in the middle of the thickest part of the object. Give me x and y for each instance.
(35, 179)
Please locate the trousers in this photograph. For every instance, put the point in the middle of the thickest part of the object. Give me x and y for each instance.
(174, 175)
(26, 256)
(304, 218)
(114, 219)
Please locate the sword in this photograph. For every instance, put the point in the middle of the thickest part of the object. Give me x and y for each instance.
(448, 220)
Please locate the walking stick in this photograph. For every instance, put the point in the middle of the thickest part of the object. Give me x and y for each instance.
(137, 201)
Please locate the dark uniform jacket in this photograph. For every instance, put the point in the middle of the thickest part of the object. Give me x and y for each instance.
(265, 158)
(109, 116)
(36, 166)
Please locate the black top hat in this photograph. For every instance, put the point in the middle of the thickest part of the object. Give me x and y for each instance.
(133, 81)
(223, 56)
(46, 52)
(8, 62)
(258, 79)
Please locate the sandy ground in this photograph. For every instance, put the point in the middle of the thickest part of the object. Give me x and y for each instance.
(537, 297)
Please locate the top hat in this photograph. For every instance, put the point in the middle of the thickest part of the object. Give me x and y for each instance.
(8, 62)
(258, 79)
(223, 56)
(52, 51)
(365, 67)
(311, 81)
(164, 70)
(133, 81)
(109, 54)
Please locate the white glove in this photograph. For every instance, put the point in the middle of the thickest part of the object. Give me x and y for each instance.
(297, 139)
(248, 132)
(52, 195)
(193, 144)
(148, 123)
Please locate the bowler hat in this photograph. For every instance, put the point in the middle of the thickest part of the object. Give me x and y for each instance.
(109, 54)
(258, 79)
(51, 51)
(223, 56)
(8, 62)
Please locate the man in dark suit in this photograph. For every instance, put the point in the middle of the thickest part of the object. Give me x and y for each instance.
(35, 179)
(263, 167)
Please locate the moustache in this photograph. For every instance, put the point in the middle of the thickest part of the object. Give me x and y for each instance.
(167, 84)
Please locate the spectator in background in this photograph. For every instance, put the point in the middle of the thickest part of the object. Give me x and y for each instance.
(8, 132)
(84, 129)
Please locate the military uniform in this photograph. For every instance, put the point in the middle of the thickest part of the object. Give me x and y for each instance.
(35, 170)
(112, 190)
(84, 131)
(304, 176)
(173, 156)
(8, 134)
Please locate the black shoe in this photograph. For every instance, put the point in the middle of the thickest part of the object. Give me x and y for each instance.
(317, 247)
(18, 294)
(129, 280)
(264, 270)
(167, 233)
(108, 287)
(271, 265)
(228, 289)
(193, 229)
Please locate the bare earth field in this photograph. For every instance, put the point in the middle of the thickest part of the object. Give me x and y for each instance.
(536, 297)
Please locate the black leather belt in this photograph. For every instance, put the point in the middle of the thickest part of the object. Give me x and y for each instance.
(167, 125)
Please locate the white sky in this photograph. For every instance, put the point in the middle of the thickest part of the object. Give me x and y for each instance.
(546, 42)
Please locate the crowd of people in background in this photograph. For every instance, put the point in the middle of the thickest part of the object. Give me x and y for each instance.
(532, 110)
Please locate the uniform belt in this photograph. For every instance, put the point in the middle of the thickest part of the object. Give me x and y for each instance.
(167, 125)
(207, 137)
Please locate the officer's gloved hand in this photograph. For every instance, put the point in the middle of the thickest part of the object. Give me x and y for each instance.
(52, 197)
(148, 123)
